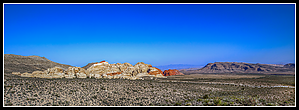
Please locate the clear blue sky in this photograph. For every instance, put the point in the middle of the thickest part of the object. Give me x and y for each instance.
(159, 34)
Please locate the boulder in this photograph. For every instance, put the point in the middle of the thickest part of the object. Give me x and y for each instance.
(78, 72)
(97, 76)
(26, 75)
(81, 75)
(38, 74)
(56, 72)
(16, 73)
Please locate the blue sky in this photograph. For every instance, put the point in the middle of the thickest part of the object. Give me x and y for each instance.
(157, 34)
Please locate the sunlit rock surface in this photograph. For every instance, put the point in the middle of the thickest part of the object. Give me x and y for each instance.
(171, 72)
(99, 70)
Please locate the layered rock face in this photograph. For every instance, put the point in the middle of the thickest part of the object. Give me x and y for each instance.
(171, 72)
(99, 70)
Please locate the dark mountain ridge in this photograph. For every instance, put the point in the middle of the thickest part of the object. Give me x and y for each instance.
(241, 67)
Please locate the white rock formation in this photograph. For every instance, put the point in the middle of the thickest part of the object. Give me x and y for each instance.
(100, 70)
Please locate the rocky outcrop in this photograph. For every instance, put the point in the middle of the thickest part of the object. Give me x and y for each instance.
(239, 67)
(155, 71)
(26, 75)
(126, 70)
(171, 72)
(99, 70)
(38, 74)
(77, 72)
(55, 72)
(16, 73)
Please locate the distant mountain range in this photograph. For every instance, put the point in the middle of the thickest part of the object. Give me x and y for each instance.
(241, 67)
(18, 63)
(179, 66)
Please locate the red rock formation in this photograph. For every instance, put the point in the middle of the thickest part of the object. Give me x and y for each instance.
(159, 70)
(102, 61)
(172, 72)
(112, 74)
(156, 72)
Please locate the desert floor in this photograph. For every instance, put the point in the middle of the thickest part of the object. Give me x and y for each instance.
(187, 90)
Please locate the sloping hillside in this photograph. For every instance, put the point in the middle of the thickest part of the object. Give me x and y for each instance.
(88, 65)
(19, 63)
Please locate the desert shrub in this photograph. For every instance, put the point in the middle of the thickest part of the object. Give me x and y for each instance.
(217, 102)
(188, 104)
(224, 104)
(95, 97)
(8, 104)
(270, 104)
(177, 104)
(198, 100)
(206, 101)
(166, 100)
(205, 96)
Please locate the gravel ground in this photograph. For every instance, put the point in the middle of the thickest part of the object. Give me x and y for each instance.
(21, 91)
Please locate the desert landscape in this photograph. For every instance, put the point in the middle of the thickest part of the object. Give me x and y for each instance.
(149, 54)
(197, 89)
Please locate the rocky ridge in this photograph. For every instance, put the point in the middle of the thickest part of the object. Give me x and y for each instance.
(99, 70)
(240, 67)
(88, 65)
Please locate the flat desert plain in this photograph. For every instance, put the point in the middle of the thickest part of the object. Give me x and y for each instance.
(186, 90)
